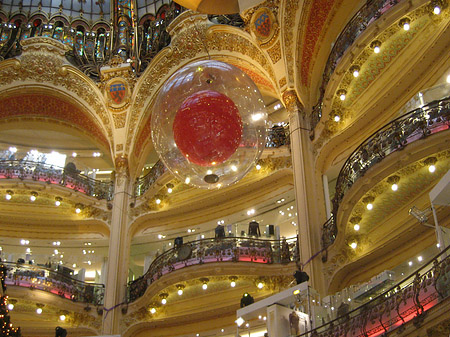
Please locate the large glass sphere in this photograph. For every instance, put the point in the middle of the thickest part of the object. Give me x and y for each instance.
(209, 124)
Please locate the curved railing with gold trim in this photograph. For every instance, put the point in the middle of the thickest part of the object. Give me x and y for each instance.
(408, 300)
(215, 250)
(368, 14)
(55, 282)
(412, 126)
(30, 170)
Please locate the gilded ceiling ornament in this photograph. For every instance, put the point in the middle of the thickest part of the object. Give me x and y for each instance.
(43, 61)
(290, 100)
(288, 18)
(264, 26)
(282, 82)
(275, 53)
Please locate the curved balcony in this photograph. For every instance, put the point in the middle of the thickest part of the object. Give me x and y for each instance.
(368, 13)
(35, 171)
(277, 136)
(410, 300)
(394, 136)
(215, 250)
(55, 282)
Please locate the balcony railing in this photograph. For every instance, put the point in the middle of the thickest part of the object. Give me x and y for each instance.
(29, 170)
(277, 136)
(217, 250)
(55, 282)
(370, 12)
(408, 300)
(413, 126)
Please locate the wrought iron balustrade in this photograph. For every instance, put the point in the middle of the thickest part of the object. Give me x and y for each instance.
(30, 170)
(214, 250)
(394, 136)
(55, 282)
(277, 136)
(408, 300)
(369, 13)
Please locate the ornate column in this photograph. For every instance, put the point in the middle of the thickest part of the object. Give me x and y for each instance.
(305, 187)
(119, 249)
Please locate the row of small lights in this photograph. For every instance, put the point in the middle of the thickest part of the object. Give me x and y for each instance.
(376, 46)
(39, 310)
(13, 149)
(393, 180)
(204, 281)
(158, 198)
(34, 195)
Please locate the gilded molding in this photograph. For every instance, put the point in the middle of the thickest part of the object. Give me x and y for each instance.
(289, 14)
(42, 61)
(290, 100)
(275, 53)
(282, 82)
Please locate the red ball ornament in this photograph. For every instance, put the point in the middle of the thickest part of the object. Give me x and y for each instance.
(207, 128)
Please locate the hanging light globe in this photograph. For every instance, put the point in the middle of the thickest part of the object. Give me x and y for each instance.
(209, 124)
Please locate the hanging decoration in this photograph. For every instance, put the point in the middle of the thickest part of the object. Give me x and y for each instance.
(209, 124)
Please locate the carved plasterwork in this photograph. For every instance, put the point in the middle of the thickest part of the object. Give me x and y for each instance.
(42, 61)
(282, 82)
(289, 14)
(264, 26)
(291, 101)
(275, 53)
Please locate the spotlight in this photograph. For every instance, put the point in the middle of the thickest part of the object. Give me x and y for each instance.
(39, 311)
(9, 194)
(58, 201)
(437, 6)
(368, 202)
(164, 297)
(260, 285)
(430, 162)
(353, 245)
(376, 46)
(169, 188)
(405, 23)
(152, 311)
(233, 281)
(33, 196)
(341, 93)
(78, 208)
(205, 281)
(180, 288)
(337, 118)
(393, 180)
(355, 70)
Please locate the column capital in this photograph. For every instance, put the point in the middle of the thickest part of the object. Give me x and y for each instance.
(290, 100)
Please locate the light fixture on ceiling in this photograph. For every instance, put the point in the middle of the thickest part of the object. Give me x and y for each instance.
(39, 308)
(376, 46)
(205, 281)
(431, 162)
(233, 280)
(164, 297)
(158, 199)
(239, 321)
(354, 245)
(58, 201)
(260, 283)
(169, 188)
(405, 23)
(336, 117)
(437, 6)
(180, 288)
(152, 310)
(355, 70)
(9, 194)
(33, 196)
(78, 208)
(393, 181)
(355, 221)
(368, 201)
(341, 93)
